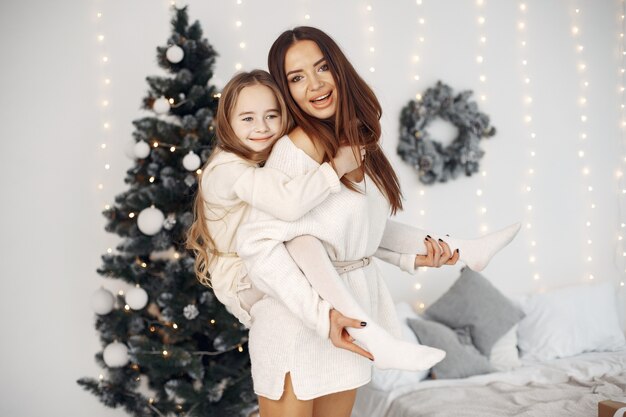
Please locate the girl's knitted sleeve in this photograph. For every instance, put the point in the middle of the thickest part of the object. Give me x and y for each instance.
(282, 196)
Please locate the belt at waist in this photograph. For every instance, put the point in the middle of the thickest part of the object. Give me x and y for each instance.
(346, 266)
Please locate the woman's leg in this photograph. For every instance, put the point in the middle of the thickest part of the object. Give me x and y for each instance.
(338, 404)
(288, 405)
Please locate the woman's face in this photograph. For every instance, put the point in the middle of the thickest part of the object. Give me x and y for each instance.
(310, 81)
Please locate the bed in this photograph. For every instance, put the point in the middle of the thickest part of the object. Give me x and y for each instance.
(565, 353)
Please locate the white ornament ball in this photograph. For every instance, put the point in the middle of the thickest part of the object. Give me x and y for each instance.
(115, 355)
(150, 221)
(136, 298)
(102, 301)
(161, 105)
(191, 161)
(174, 54)
(141, 150)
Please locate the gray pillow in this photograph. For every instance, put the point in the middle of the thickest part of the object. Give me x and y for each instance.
(474, 302)
(462, 359)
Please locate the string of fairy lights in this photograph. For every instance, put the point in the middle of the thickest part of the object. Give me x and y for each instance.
(414, 78)
(584, 137)
(531, 138)
(482, 96)
(619, 174)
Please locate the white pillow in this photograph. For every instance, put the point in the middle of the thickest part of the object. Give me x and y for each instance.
(504, 354)
(389, 379)
(570, 321)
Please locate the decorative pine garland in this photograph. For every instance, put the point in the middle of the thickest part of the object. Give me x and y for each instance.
(434, 161)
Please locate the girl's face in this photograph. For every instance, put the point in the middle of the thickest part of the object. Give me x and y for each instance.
(310, 81)
(256, 118)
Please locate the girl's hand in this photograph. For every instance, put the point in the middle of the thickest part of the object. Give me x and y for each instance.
(438, 254)
(341, 338)
(348, 159)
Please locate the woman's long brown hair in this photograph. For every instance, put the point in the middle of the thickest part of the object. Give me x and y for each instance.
(199, 239)
(357, 119)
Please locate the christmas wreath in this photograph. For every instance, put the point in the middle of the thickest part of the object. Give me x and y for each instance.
(434, 161)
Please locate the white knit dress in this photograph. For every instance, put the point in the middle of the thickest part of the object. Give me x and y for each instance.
(287, 323)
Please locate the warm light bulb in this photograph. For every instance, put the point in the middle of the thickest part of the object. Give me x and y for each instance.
(418, 286)
(172, 149)
(238, 23)
(536, 277)
(175, 326)
(371, 28)
(479, 59)
(151, 179)
(238, 66)
(242, 45)
(165, 352)
(372, 69)
(574, 30)
(307, 16)
(479, 192)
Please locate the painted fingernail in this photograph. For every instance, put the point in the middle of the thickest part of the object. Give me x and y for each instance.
(428, 236)
(440, 240)
(371, 359)
(457, 251)
(363, 324)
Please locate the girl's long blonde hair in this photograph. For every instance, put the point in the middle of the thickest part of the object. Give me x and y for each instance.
(199, 239)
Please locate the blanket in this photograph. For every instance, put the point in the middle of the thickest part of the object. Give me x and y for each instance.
(575, 397)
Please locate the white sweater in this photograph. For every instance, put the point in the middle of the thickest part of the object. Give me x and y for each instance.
(283, 338)
(230, 186)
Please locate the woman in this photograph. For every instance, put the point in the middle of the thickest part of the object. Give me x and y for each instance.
(295, 372)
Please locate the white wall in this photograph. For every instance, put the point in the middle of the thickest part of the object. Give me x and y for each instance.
(52, 116)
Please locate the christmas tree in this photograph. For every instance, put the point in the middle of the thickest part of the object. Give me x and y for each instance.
(170, 348)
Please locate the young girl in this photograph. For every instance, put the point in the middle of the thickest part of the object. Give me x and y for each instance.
(251, 117)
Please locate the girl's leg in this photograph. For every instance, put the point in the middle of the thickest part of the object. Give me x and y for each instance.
(287, 406)
(338, 404)
(389, 352)
(475, 253)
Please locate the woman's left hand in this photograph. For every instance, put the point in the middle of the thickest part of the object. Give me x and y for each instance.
(438, 254)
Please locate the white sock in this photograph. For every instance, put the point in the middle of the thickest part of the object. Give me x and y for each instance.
(388, 351)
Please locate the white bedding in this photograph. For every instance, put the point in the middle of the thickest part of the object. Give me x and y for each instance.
(375, 403)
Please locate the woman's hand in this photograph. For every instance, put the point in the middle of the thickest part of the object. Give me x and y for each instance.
(348, 159)
(438, 254)
(340, 336)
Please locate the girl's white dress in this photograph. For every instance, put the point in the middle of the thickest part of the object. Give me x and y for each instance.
(288, 321)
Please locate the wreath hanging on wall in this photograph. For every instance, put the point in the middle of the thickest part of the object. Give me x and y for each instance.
(434, 161)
